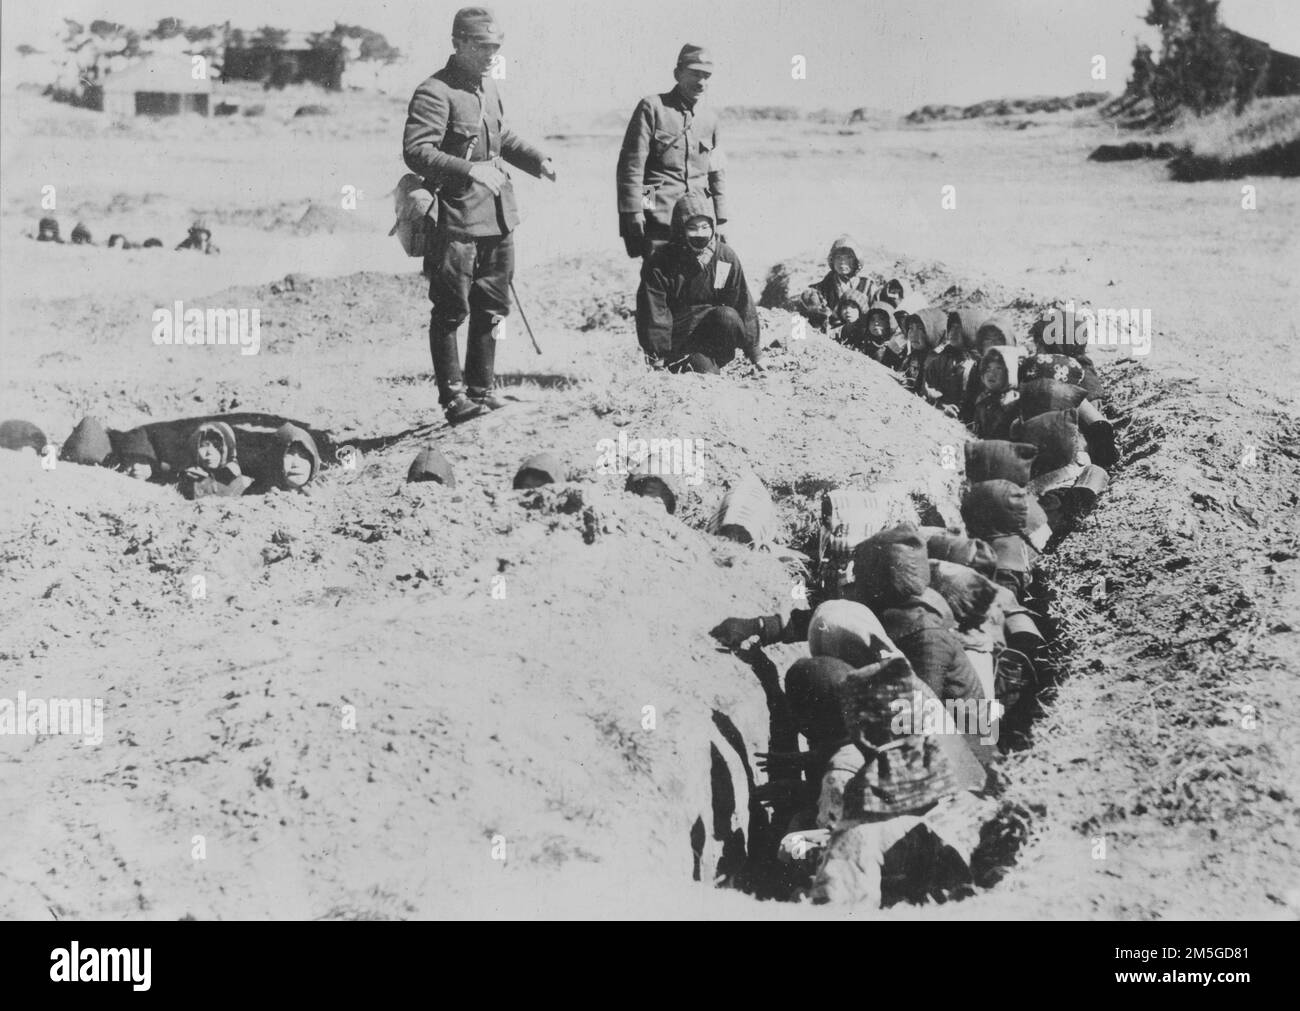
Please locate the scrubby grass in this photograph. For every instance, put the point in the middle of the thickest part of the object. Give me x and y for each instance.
(1263, 140)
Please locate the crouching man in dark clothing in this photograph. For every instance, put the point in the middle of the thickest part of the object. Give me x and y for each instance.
(694, 309)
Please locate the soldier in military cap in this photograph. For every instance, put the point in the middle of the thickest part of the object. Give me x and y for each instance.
(457, 141)
(670, 149)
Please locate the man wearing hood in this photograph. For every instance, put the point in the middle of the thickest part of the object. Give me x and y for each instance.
(670, 149)
(457, 141)
(694, 309)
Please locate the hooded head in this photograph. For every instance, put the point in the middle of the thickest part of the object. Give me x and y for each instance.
(539, 469)
(89, 444)
(1059, 441)
(918, 768)
(891, 566)
(1042, 396)
(963, 324)
(212, 445)
(848, 631)
(895, 291)
(995, 331)
(973, 553)
(880, 321)
(907, 307)
(810, 689)
(999, 460)
(134, 454)
(296, 460)
(21, 435)
(687, 226)
(852, 307)
(80, 234)
(1000, 368)
(994, 509)
(844, 251)
(926, 328)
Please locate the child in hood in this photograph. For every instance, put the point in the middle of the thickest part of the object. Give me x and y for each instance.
(820, 302)
(882, 339)
(215, 472)
(852, 313)
(294, 465)
(997, 403)
(894, 292)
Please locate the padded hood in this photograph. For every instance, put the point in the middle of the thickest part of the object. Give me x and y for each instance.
(994, 331)
(844, 244)
(886, 312)
(934, 323)
(1010, 361)
(693, 205)
(134, 445)
(18, 434)
(963, 324)
(291, 435)
(223, 432)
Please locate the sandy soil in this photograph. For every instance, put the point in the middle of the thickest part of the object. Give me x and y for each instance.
(483, 721)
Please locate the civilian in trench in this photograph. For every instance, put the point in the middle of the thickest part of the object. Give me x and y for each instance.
(820, 303)
(892, 577)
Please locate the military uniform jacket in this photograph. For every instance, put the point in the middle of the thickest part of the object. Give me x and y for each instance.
(454, 120)
(669, 149)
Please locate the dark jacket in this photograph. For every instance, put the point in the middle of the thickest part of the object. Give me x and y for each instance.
(928, 639)
(677, 292)
(668, 151)
(454, 120)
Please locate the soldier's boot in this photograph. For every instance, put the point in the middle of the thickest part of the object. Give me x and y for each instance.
(480, 359)
(446, 369)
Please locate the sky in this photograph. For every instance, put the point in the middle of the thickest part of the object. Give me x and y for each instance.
(603, 54)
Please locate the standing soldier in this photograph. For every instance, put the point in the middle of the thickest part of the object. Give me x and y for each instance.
(457, 141)
(670, 149)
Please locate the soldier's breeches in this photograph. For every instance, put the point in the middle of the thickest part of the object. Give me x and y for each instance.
(467, 278)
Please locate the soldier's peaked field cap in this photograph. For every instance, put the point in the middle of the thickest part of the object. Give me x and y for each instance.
(694, 58)
(477, 24)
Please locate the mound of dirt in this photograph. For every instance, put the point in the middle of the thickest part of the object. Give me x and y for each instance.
(483, 700)
(528, 673)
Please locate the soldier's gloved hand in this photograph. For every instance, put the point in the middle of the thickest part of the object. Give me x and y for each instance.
(487, 174)
(631, 225)
(733, 632)
(548, 170)
(718, 231)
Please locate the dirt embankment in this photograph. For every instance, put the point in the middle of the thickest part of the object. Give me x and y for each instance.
(529, 674)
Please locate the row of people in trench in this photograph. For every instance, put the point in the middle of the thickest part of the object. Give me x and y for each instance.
(198, 239)
(210, 469)
(898, 611)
